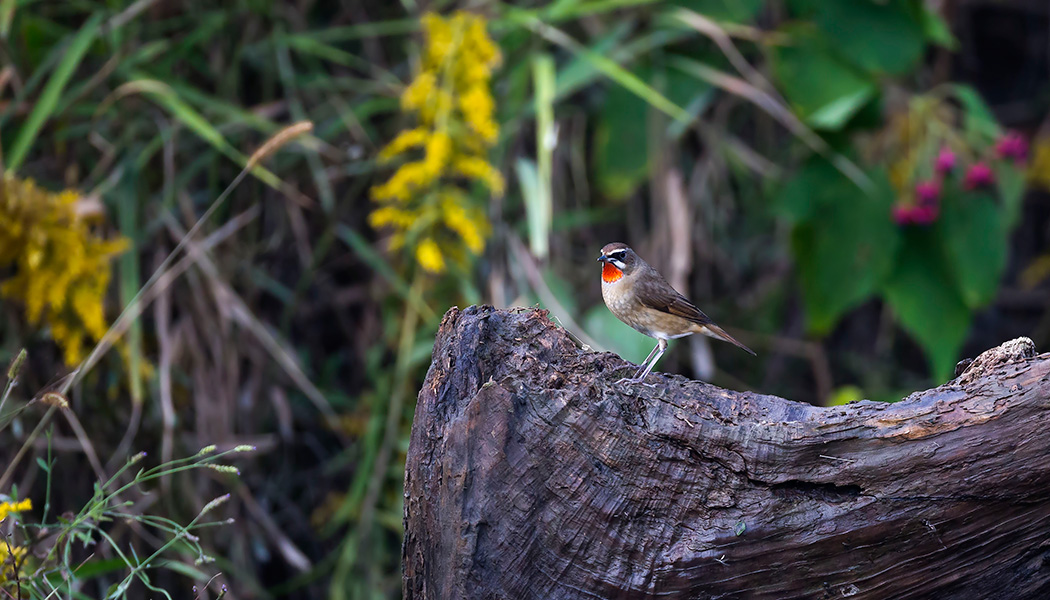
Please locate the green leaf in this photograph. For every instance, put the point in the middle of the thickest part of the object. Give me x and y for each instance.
(49, 97)
(739, 528)
(811, 187)
(844, 246)
(564, 292)
(974, 242)
(978, 118)
(621, 153)
(927, 303)
(1011, 181)
(622, 144)
(880, 37)
(823, 90)
(937, 30)
(834, 114)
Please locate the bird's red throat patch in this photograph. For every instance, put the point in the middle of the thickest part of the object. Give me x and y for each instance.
(610, 273)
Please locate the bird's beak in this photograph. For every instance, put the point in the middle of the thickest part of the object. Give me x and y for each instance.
(603, 258)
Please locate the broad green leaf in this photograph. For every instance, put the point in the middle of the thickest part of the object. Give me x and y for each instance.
(816, 82)
(1011, 181)
(880, 37)
(621, 149)
(838, 111)
(45, 105)
(846, 245)
(936, 29)
(974, 240)
(978, 118)
(564, 292)
(802, 9)
(926, 302)
(812, 186)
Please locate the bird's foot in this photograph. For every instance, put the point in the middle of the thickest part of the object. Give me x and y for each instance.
(634, 380)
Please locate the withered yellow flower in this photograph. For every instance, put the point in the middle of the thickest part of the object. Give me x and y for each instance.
(60, 266)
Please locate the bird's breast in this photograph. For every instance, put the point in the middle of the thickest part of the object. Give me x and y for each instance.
(623, 303)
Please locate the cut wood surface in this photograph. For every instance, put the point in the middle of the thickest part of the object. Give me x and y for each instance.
(533, 474)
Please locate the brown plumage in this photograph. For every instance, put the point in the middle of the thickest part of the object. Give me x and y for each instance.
(639, 296)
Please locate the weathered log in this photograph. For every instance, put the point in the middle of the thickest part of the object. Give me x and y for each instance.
(532, 474)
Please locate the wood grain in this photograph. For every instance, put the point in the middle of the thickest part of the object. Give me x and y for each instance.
(531, 474)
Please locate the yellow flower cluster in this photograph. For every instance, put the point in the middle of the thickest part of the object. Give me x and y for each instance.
(59, 267)
(6, 508)
(454, 108)
(13, 556)
(10, 561)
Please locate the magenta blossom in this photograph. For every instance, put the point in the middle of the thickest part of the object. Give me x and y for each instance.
(928, 192)
(925, 215)
(1012, 145)
(977, 176)
(901, 214)
(904, 214)
(945, 161)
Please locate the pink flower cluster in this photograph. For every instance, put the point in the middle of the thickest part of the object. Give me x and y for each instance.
(979, 175)
(926, 209)
(1012, 145)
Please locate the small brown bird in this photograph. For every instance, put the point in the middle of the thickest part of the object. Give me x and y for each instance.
(639, 296)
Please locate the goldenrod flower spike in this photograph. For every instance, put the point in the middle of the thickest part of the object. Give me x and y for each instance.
(423, 202)
(60, 266)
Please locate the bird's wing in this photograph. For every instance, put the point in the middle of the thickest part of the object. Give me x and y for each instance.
(664, 298)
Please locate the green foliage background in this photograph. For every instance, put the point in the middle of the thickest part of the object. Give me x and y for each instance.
(751, 150)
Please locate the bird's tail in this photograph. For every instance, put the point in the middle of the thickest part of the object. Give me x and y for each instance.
(718, 333)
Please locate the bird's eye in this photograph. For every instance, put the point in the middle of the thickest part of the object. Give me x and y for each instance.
(619, 254)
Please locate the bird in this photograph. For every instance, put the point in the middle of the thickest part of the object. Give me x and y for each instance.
(640, 296)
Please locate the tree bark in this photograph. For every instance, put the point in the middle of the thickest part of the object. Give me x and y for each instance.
(532, 473)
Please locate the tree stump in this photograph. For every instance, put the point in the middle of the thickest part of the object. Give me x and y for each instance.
(532, 474)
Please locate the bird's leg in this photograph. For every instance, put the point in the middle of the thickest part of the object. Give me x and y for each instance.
(662, 346)
(641, 367)
(649, 363)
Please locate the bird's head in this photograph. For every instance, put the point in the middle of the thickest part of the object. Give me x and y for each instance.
(617, 260)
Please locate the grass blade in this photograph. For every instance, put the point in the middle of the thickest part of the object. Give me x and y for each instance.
(609, 68)
(539, 205)
(168, 99)
(48, 100)
(7, 14)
